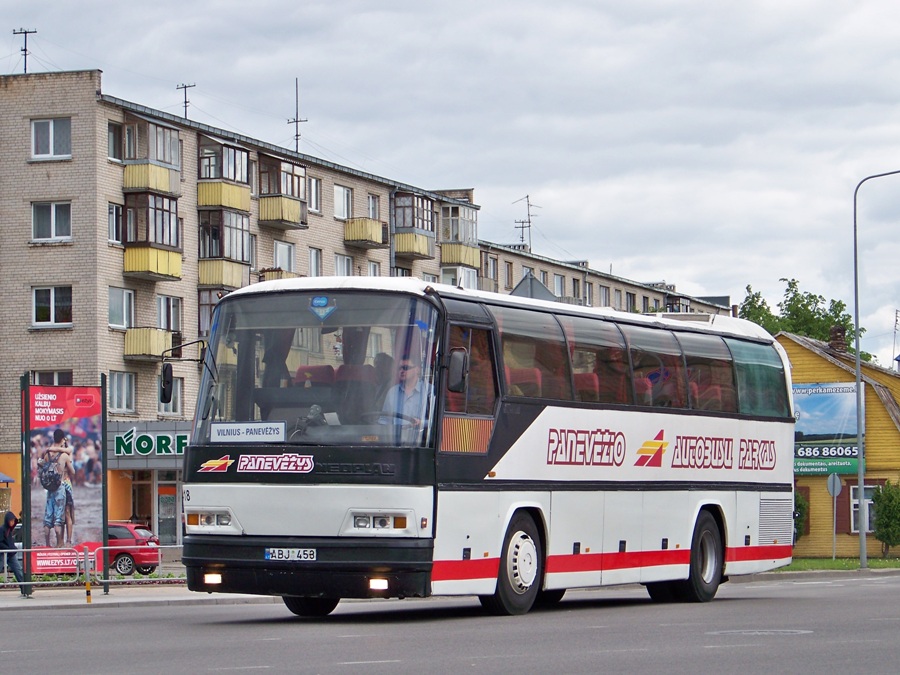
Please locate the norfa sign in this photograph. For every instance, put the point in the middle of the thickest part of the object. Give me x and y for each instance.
(147, 444)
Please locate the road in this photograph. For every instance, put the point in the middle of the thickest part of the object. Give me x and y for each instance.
(834, 625)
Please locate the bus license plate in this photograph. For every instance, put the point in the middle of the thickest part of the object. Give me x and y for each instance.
(290, 554)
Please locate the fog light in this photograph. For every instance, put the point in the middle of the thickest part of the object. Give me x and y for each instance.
(223, 519)
(382, 522)
(361, 522)
(208, 519)
(212, 579)
(378, 584)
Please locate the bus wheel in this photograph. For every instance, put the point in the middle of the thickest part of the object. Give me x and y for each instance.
(521, 564)
(549, 598)
(310, 606)
(706, 561)
(663, 591)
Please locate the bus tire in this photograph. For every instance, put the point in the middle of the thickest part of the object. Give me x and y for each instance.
(664, 591)
(310, 607)
(521, 569)
(707, 561)
(549, 598)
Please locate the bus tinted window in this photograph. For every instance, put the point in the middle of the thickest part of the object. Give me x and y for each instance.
(710, 372)
(659, 374)
(535, 360)
(599, 360)
(481, 392)
(760, 379)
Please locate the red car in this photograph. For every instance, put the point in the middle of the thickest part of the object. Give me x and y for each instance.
(131, 547)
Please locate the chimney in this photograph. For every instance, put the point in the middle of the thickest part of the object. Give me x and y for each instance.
(838, 339)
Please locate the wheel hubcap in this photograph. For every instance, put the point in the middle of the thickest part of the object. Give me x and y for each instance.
(522, 562)
(709, 562)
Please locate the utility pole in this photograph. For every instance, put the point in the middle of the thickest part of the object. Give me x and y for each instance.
(896, 327)
(25, 32)
(296, 121)
(524, 225)
(185, 87)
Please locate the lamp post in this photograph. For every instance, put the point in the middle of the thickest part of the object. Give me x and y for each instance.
(860, 420)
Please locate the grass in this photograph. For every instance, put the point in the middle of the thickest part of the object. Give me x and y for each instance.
(807, 564)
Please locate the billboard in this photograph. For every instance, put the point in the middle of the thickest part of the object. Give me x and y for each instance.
(825, 436)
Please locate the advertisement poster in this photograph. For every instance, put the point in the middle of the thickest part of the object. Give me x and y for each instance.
(825, 439)
(65, 447)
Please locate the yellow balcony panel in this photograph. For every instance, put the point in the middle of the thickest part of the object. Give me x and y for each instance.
(282, 213)
(146, 343)
(223, 194)
(144, 176)
(414, 246)
(460, 254)
(152, 264)
(277, 273)
(365, 233)
(219, 273)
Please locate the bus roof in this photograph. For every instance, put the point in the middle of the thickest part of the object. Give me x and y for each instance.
(690, 322)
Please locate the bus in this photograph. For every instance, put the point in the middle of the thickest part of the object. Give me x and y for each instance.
(392, 438)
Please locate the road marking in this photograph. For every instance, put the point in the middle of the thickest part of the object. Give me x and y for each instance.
(366, 663)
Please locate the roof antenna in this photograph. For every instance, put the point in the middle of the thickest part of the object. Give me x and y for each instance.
(296, 121)
(185, 87)
(525, 224)
(24, 32)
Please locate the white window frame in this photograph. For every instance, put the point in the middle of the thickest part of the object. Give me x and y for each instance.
(315, 262)
(52, 378)
(115, 147)
(373, 206)
(315, 195)
(464, 277)
(374, 268)
(121, 301)
(54, 306)
(868, 490)
(559, 285)
(57, 209)
(115, 214)
(284, 256)
(174, 406)
(54, 150)
(169, 312)
(121, 392)
(343, 202)
(343, 265)
(254, 258)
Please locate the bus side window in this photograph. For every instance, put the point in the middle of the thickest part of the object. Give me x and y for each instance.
(481, 392)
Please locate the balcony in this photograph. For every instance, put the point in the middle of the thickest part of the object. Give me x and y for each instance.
(277, 273)
(414, 244)
(282, 213)
(152, 264)
(220, 193)
(149, 344)
(486, 284)
(221, 273)
(460, 254)
(147, 177)
(365, 233)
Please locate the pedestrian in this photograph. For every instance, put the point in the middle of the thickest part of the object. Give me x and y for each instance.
(8, 543)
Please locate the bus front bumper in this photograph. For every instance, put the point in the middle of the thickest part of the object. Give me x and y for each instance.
(343, 568)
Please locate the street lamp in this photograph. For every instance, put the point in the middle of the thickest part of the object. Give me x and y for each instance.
(860, 420)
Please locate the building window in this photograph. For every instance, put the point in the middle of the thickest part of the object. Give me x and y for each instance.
(589, 294)
(152, 219)
(121, 307)
(206, 302)
(131, 141)
(429, 278)
(526, 270)
(168, 310)
(544, 278)
(51, 221)
(121, 392)
(343, 202)
(491, 270)
(343, 265)
(645, 304)
(401, 272)
(51, 378)
(509, 275)
(52, 306)
(576, 288)
(464, 277)
(559, 285)
(174, 406)
(115, 146)
(114, 216)
(254, 184)
(284, 256)
(868, 508)
(51, 139)
(413, 211)
(604, 296)
(315, 262)
(374, 207)
(618, 296)
(282, 178)
(459, 224)
(225, 234)
(222, 161)
(374, 268)
(315, 195)
(630, 302)
(254, 259)
(164, 146)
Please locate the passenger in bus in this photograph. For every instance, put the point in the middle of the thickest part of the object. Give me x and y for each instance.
(385, 376)
(407, 398)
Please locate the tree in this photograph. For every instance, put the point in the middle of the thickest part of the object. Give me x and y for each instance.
(801, 312)
(886, 500)
(801, 512)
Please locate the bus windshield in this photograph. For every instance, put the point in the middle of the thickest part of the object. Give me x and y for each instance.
(332, 368)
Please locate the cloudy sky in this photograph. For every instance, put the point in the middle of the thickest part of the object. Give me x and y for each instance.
(708, 144)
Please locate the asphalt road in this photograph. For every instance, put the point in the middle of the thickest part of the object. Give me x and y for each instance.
(805, 626)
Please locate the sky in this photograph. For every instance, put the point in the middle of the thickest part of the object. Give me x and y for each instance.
(712, 145)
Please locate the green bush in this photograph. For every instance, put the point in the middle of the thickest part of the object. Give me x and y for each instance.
(801, 512)
(886, 500)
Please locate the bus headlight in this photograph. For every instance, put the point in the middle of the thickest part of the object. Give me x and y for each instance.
(217, 520)
(379, 523)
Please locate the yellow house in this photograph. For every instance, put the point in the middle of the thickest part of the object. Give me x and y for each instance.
(814, 362)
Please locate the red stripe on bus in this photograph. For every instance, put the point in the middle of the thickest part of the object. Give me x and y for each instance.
(745, 553)
(596, 562)
(457, 570)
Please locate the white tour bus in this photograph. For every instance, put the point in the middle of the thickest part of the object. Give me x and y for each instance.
(375, 438)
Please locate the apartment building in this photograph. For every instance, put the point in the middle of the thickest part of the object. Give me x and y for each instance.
(125, 225)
